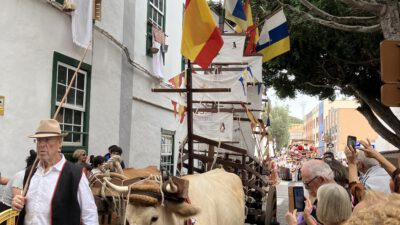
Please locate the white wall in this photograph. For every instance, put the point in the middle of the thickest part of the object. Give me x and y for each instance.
(115, 117)
(30, 32)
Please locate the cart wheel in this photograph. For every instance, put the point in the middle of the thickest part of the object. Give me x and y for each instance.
(270, 212)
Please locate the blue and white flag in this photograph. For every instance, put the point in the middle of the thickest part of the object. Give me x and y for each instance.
(274, 37)
(234, 12)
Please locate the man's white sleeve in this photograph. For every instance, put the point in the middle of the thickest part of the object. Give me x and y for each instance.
(89, 214)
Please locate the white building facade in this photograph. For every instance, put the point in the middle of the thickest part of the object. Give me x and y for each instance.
(111, 102)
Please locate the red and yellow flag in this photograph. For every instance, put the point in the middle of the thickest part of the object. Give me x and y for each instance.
(201, 39)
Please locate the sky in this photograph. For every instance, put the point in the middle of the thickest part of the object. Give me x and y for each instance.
(295, 105)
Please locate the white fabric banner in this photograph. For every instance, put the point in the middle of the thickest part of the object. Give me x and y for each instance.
(223, 80)
(232, 50)
(158, 61)
(254, 98)
(82, 23)
(255, 64)
(215, 126)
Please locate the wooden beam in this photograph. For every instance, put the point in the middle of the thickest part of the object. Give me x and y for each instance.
(253, 83)
(246, 119)
(223, 102)
(193, 90)
(210, 155)
(226, 142)
(254, 187)
(230, 110)
(222, 145)
(257, 174)
(230, 63)
(195, 169)
(220, 69)
(207, 159)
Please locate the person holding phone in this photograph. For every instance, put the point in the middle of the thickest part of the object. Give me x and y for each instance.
(334, 207)
(373, 176)
(356, 188)
(315, 173)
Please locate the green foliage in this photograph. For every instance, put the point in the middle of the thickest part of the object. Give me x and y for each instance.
(323, 59)
(279, 128)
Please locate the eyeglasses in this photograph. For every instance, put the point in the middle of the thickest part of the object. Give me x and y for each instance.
(307, 184)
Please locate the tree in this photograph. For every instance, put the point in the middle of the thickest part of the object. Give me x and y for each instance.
(279, 128)
(335, 47)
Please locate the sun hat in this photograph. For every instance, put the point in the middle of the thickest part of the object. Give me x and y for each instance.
(48, 128)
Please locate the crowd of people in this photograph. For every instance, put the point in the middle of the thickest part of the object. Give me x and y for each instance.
(51, 189)
(366, 191)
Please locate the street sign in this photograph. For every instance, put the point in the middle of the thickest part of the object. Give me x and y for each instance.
(390, 61)
(390, 94)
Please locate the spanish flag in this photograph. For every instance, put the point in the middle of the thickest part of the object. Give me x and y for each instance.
(201, 39)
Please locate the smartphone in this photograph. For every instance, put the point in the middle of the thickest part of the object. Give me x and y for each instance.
(352, 141)
(296, 198)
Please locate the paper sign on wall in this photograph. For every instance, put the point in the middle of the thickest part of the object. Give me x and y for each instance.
(1, 105)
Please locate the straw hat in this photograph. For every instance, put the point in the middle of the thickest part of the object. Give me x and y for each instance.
(48, 128)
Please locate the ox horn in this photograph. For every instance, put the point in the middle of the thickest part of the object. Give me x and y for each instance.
(170, 187)
(116, 187)
(118, 175)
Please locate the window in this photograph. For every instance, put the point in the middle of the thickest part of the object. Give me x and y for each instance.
(156, 13)
(73, 116)
(167, 150)
(155, 17)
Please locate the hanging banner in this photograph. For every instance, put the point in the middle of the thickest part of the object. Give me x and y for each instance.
(1, 105)
(232, 50)
(215, 126)
(254, 97)
(224, 80)
(255, 64)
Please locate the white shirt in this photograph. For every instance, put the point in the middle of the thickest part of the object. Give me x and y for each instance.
(41, 191)
(377, 179)
(17, 182)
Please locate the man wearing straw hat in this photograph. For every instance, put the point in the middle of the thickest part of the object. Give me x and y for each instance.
(58, 191)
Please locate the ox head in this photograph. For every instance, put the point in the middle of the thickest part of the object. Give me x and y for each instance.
(144, 207)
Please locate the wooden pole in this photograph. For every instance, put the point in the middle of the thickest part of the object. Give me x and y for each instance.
(35, 163)
(190, 116)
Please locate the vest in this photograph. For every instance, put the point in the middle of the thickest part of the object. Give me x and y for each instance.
(65, 209)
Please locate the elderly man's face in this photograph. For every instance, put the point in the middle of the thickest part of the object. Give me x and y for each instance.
(311, 183)
(48, 149)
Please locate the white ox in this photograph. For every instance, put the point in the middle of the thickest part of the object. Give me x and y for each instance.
(216, 197)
